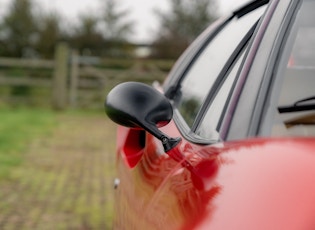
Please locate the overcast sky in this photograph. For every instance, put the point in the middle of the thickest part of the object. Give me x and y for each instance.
(141, 11)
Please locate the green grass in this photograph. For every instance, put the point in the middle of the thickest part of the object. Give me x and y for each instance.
(66, 172)
(17, 128)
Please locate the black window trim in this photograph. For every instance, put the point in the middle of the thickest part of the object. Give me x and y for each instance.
(249, 7)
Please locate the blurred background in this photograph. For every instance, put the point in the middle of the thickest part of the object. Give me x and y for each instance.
(58, 59)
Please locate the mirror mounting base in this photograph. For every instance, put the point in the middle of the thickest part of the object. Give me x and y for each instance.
(169, 143)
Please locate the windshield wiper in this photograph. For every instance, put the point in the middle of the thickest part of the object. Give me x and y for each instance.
(298, 106)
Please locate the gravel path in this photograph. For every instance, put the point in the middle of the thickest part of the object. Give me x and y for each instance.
(66, 181)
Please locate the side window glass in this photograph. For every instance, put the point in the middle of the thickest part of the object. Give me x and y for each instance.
(208, 128)
(204, 71)
(294, 95)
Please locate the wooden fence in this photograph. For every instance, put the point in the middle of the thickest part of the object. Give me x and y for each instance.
(74, 77)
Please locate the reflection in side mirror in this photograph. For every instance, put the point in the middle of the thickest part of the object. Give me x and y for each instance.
(134, 104)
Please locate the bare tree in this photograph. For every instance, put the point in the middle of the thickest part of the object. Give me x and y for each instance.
(181, 25)
(116, 25)
(19, 29)
(49, 34)
(87, 38)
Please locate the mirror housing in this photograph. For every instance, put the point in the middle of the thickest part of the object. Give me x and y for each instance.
(137, 105)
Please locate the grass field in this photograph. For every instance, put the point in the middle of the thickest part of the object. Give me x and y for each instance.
(17, 128)
(57, 170)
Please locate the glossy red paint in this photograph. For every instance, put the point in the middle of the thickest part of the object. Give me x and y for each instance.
(130, 143)
(250, 184)
(265, 184)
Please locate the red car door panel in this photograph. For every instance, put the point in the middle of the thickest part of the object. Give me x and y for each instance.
(250, 183)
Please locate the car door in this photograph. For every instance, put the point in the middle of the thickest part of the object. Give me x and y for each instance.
(159, 190)
(208, 180)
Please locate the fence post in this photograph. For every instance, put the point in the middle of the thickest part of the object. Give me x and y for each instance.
(59, 83)
(74, 78)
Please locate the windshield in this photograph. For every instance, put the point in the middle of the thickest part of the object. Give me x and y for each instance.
(295, 115)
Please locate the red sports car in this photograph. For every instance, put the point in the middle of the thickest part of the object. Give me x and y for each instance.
(228, 140)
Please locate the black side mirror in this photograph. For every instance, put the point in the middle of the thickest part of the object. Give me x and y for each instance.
(135, 105)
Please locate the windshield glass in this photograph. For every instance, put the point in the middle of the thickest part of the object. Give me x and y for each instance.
(295, 115)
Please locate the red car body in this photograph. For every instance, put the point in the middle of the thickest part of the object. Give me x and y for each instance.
(251, 184)
(252, 167)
